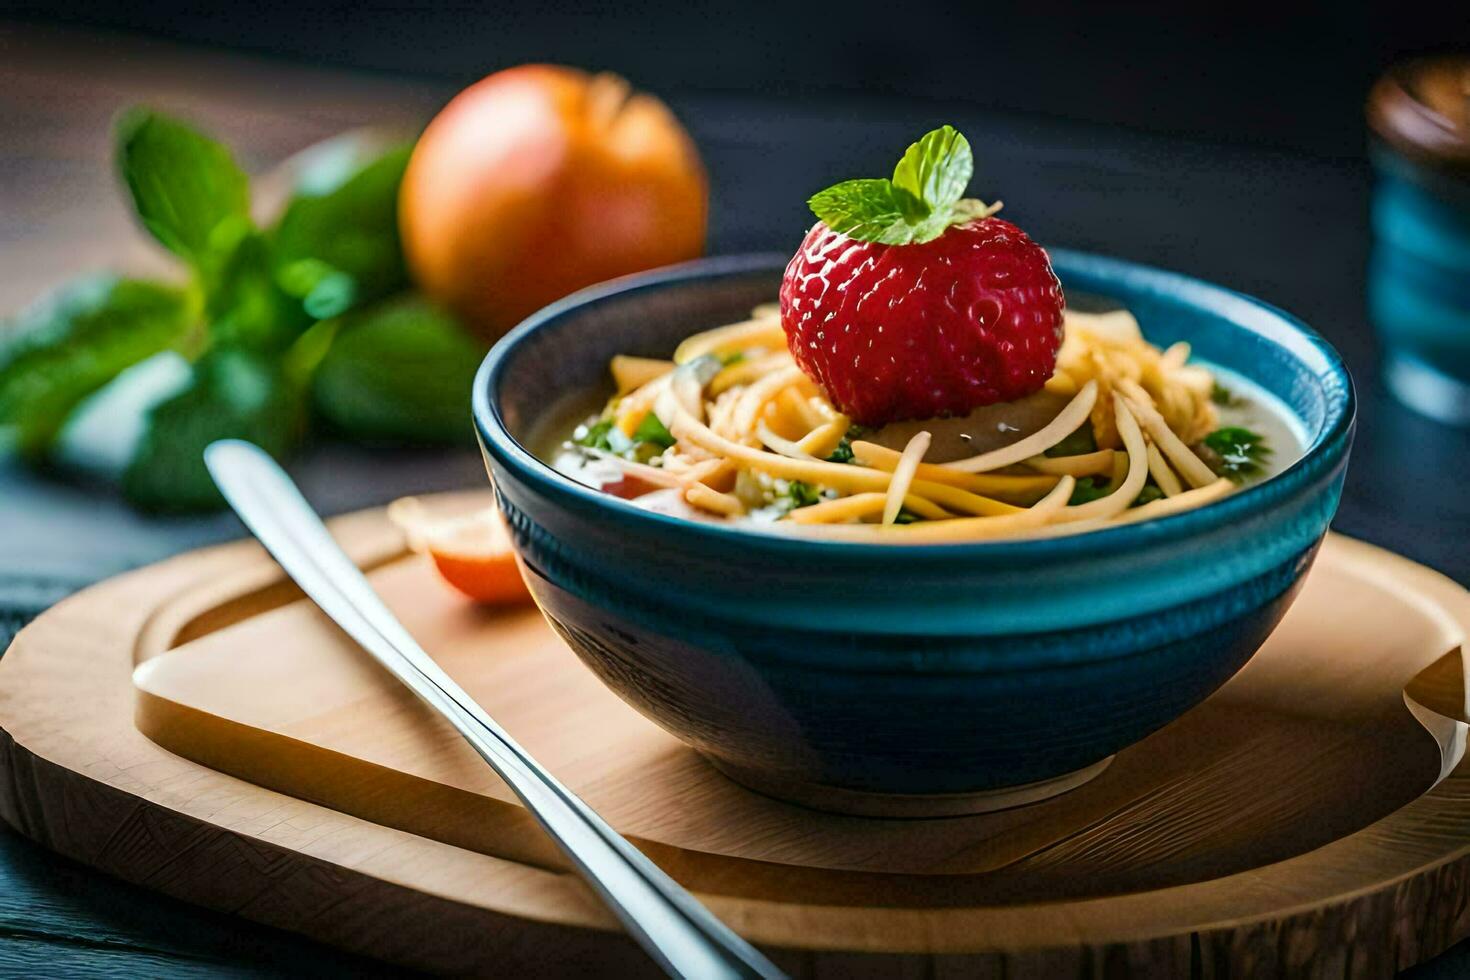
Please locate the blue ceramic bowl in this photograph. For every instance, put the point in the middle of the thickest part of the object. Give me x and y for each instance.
(909, 679)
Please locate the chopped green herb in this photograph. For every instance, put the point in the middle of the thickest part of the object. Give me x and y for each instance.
(1241, 451)
(1088, 489)
(594, 436)
(620, 443)
(651, 430)
(906, 516)
(702, 369)
(1078, 443)
(649, 440)
(733, 357)
(791, 494)
(843, 452)
(803, 493)
(1222, 396)
(644, 452)
(1148, 495)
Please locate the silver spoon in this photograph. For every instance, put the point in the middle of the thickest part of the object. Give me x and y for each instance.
(670, 924)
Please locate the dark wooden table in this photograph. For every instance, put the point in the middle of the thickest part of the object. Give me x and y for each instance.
(1288, 227)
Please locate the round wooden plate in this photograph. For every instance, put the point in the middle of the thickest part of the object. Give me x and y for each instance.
(1313, 817)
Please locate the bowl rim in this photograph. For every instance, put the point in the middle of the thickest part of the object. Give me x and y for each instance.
(1273, 323)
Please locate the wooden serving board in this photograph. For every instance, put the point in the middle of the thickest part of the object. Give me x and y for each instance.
(198, 728)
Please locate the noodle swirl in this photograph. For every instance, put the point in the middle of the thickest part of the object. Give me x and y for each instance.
(735, 430)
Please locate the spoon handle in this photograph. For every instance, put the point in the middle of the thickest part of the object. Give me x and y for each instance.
(681, 935)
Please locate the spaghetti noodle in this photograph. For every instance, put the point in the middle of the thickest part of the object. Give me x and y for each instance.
(731, 429)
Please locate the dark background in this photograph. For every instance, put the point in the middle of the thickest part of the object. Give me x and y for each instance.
(1283, 75)
(1224, 140)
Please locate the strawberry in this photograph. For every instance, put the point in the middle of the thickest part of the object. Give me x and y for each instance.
(906, 302)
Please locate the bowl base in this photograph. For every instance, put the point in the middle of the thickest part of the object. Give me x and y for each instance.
(911, 806)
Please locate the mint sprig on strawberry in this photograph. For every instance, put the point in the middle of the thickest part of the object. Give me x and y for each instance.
(924, 196)
(909, 301)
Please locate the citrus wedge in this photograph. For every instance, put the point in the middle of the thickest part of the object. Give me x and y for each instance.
(472, 552)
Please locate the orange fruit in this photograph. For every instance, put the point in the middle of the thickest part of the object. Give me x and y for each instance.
(472, 552)
(539, 180)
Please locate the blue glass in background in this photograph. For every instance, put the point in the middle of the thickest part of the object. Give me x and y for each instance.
(1419, 285)
(1419, 274)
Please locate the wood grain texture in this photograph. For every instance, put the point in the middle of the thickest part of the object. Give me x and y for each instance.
(1292, 824)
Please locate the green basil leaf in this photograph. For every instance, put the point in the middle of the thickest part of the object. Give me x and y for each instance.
(399, 371)
(340, 248)
(234, 394)
(74, 342)
(187, 189)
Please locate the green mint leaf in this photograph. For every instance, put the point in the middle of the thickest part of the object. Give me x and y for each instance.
(337, 247)
(1241, 452)
(103, 432)
(921, 200)
(870, 211)
(399, 371)
(936, 169)
(233, 394)
(245, 305)
(306, 353)
(323, 167)
(74, 342)
(187, 189)
(653, 432)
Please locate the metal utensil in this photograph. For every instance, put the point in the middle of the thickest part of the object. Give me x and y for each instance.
(679, 933)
